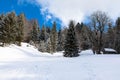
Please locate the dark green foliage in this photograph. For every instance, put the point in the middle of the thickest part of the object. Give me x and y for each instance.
(38, 34)
(1, 28)
(34, 32)
(117, 37)
(78, 27)
(48, 30)
(19, 28)
(8, 25)
(82, 35)
(43, 34)
(71, 47)
(42, 39)
(60, 42)
(10, 28)
(53, 38)
(110, 37)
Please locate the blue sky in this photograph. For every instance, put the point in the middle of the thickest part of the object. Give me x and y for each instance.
(31, 11)
(61, 11)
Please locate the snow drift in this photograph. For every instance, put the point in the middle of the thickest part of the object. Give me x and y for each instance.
(27, 63)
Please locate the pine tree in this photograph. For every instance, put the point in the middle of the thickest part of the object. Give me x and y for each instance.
(43, 34)
(49, 47)
(19, 28)
(110, 37)
(48, 40)
(84, 37)
(34, 32)
(42, 46)
(48, 30)
(71, 47)
(39, 34)
(42, 38)
(53, 38)
(117, 35)
(10, 28)
(78, 31)
(2, 29)
(60, 42)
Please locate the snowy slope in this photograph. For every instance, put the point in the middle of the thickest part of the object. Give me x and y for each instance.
(14, 52)
(26, 63)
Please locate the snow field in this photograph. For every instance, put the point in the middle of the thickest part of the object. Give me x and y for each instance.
(26, 63)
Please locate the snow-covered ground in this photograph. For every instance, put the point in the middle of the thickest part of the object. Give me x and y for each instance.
(26, 63)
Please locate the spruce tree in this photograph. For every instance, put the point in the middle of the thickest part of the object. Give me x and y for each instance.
(13, 25)
(110, 37)
(42, 38)
(10, 28)
(48, 40)
(43, 34)
(70, 46)
(49, 46)
(34, 32)
(2, 29)
(38, 34)
(54, 38)
(117, 35)
(19, 28)
(78, 29)
(60, 42)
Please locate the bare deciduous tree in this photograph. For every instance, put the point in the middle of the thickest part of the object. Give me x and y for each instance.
(98, 22)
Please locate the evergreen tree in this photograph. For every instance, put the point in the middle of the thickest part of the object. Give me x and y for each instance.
(48, 30)
(43, 34)
(34, 32)
(64, 33)
(49, 47)
(117, 35)
(19, 28)
(78, 29)
(10, 28)
(82, 36)
(48, 40)
(110, 37)
(53, 38)
(2, 30)
(42, 38)
(39, 34)
(42, 46)
(60, 42)
(71, 47)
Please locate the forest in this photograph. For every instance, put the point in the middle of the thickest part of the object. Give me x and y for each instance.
(99, 32)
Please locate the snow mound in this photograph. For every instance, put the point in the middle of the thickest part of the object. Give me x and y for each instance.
(14, 52)
(25, 51)
(86, 52)
(110, 50)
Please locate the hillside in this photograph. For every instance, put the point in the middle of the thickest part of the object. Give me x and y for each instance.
(27, 63)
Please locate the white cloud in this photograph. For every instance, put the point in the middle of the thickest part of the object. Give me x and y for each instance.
(78, 9)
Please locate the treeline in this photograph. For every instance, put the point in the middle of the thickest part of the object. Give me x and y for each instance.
(11, 28)
(98, 33)
(16, 29)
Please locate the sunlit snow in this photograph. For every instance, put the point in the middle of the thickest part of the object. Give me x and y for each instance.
(27, 63)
